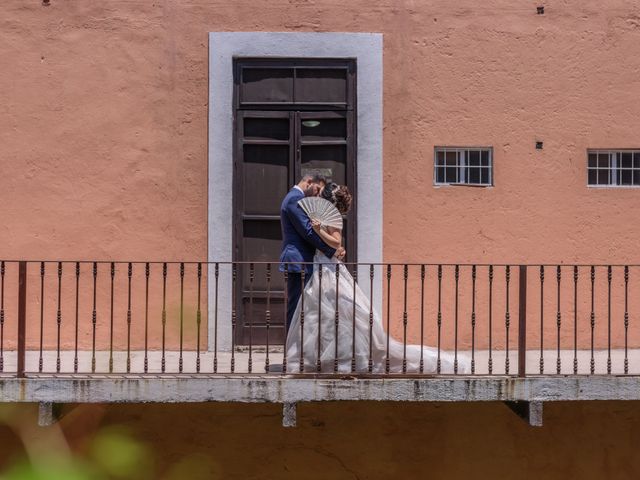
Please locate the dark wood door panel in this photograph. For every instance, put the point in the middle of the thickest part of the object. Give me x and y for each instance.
(265, 178)
(262, 243)
(292, 117)
(254, 325)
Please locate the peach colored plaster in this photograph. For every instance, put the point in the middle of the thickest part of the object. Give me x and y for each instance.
(103, 130)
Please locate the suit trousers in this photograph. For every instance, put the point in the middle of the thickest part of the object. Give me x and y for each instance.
(294, 290)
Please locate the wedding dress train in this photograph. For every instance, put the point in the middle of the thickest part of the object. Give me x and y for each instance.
(303, 342)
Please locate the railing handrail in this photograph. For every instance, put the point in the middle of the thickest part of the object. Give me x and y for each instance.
(272, 262)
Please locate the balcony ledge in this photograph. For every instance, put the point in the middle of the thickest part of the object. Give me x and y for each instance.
(293, 389)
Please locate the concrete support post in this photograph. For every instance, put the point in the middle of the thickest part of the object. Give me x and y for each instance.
(46, 414)
(531, 412)
(289, 414)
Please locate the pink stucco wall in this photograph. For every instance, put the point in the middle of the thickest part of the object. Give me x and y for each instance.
(104, 125)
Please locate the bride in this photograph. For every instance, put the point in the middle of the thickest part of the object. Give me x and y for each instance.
(309, 335)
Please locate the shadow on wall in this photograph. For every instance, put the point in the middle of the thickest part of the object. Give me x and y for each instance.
(337, 440)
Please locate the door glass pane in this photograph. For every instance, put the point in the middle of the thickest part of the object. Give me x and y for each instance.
(321, 85)
(327, 160)
(266, 85)
(266, 128)
(323, 129)
(265, 178)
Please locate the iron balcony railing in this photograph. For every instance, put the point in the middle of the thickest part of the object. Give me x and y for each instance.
(220, 318)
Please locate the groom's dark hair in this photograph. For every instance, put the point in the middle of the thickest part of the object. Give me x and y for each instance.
(315, 178)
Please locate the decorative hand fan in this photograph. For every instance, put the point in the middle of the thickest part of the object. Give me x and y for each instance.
(323, 210)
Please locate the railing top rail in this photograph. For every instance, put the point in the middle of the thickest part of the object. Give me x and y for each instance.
(274, 262)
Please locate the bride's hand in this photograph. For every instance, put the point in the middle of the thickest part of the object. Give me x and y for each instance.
(316, 225)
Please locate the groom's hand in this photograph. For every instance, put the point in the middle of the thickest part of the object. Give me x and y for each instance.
(340, 253)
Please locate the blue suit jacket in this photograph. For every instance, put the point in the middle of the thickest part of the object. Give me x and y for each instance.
(299, 240)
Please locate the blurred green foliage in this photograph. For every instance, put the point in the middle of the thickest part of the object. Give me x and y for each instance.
(108, 453)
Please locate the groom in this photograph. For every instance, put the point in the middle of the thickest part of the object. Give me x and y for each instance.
(299, 240)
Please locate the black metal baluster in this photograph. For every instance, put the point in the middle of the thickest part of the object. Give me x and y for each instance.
(42, 271)
(490, 366)
(198, 318)
(286, 332)
(251, 278)
(163, 362)
(147, 273)
(575, 320)
(216, 275)
(438, 361)
(21, 347)
(129, 275)
(473, 319)
(371, 275)
(626, 319)
(94, 318)
(2, 316)
(180, 359)
(593, 320)
(59, 317)
(267, 316)
(113, 273)
(318, 360)
(354, 276)
(507, 319)
(609, 319)
(558, 320)
(541, 319)
(75, 355)
(422, 277)
(387, 361)
(234, 317)
(455, 324)
(302, 295)
(405, 320)
(336, 319)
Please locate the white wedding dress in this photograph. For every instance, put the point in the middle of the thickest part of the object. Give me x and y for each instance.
(302, 343)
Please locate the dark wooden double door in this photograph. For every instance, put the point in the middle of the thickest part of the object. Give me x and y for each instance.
(275, 146)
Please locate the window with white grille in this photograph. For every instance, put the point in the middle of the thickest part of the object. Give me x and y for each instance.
(613, 168)
(463, 166)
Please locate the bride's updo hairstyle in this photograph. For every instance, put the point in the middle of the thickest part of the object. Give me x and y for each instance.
(339, 195)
